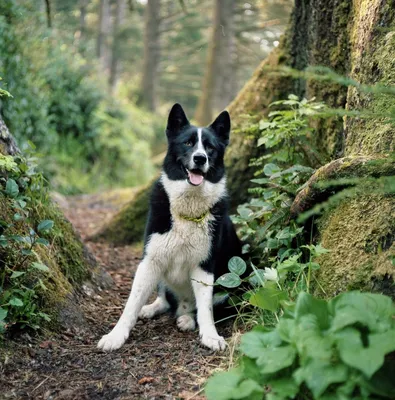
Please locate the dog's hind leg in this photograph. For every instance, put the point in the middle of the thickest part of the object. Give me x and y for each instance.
(159, 306)
(185, 316)
(146, 278)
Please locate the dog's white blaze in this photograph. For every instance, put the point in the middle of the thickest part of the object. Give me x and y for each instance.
(174, 258)
(200, 150)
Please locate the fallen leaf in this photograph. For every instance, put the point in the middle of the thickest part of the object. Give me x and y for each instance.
(145, 380)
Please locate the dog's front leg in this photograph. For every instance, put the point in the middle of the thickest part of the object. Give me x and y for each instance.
(202, 283)
(146, 278)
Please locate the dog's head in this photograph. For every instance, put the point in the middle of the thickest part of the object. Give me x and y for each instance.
(196, 154)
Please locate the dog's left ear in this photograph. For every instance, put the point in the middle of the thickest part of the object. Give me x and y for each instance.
(221, 126)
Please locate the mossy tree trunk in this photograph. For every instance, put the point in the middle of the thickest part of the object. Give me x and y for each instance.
(69, 262)
(355, 39)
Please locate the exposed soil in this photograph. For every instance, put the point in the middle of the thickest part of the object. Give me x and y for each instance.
(157, 362)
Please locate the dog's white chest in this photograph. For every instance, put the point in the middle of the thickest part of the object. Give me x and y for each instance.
(178, 251)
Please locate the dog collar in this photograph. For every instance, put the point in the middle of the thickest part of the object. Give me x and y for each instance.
(195, 219)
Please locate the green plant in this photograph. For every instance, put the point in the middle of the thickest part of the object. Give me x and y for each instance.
(340, 349)
(21, 266)
(269, 289)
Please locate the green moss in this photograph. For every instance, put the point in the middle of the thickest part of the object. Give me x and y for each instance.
(357, 232)
(128, 225)
(373, 61)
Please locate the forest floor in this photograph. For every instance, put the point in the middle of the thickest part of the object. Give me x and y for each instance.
(157, 362)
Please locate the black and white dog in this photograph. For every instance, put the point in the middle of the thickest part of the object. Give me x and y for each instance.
(189, 235)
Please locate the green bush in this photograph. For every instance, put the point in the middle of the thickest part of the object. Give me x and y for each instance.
(340, 349)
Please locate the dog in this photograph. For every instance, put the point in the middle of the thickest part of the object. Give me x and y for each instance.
(189, 236)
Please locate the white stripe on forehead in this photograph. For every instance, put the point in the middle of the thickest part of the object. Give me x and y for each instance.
(200, 142)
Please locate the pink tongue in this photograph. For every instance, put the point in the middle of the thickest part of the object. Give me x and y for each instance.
(196, 179)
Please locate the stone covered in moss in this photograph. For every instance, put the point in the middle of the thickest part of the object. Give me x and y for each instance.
(128, 225)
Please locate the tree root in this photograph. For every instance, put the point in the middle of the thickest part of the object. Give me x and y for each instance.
(343, 168)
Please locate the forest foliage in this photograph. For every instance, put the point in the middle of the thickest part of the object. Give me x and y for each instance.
(76, 74)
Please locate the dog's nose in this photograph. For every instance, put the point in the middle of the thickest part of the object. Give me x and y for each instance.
(200, 159)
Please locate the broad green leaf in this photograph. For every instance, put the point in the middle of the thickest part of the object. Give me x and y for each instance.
(14, 301)
(286, 329)
(45, 225)
(39, 266)
(374, 311)
(16, 274)
(268, 298)
(237, 265)
(284, 388)
(251, 370)
(229, 280)
(3, 313)
(244, 212)
(259, 339)
(366, 359)
(275, 359)
(307, 304)
(221, 385)
(270, 169)
(284, 234)
(42, 241)
(318, 376)
(310, 340)
(248, 389)
(11, 188)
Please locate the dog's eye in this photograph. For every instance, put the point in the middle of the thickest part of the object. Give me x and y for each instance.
(188, 143)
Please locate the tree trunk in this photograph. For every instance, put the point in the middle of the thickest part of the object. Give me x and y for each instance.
(225, 73)
(104, 30)
(120, 9)
(8, 145)
(221, 42)
(354, 39)
(83, 7)
(151, 54)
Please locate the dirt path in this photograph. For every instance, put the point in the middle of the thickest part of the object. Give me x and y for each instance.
(157, 362)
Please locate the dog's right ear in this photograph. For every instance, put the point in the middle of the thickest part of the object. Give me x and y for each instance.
(176, 121)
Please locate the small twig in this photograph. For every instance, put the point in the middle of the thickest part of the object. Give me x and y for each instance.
(195, 394)
(41, 383)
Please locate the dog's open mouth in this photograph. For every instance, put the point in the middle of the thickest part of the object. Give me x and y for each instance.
(195, 177)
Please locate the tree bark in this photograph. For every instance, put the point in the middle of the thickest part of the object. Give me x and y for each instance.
(225, 73)
(83, 7)
(120, 9)
(221, 42)
(8, 145)
(151, 54)
(104, 31)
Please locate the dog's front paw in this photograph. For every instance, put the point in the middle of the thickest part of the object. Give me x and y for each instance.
(213, 342)
(186, 323)
(114, 340)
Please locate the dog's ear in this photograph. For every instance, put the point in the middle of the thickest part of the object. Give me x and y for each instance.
(221, 126)
(176, 121)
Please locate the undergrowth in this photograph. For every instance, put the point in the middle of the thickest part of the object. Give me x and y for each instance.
(300, 347)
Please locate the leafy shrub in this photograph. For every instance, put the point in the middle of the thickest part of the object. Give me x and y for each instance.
(88, 140)
(340, 349)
